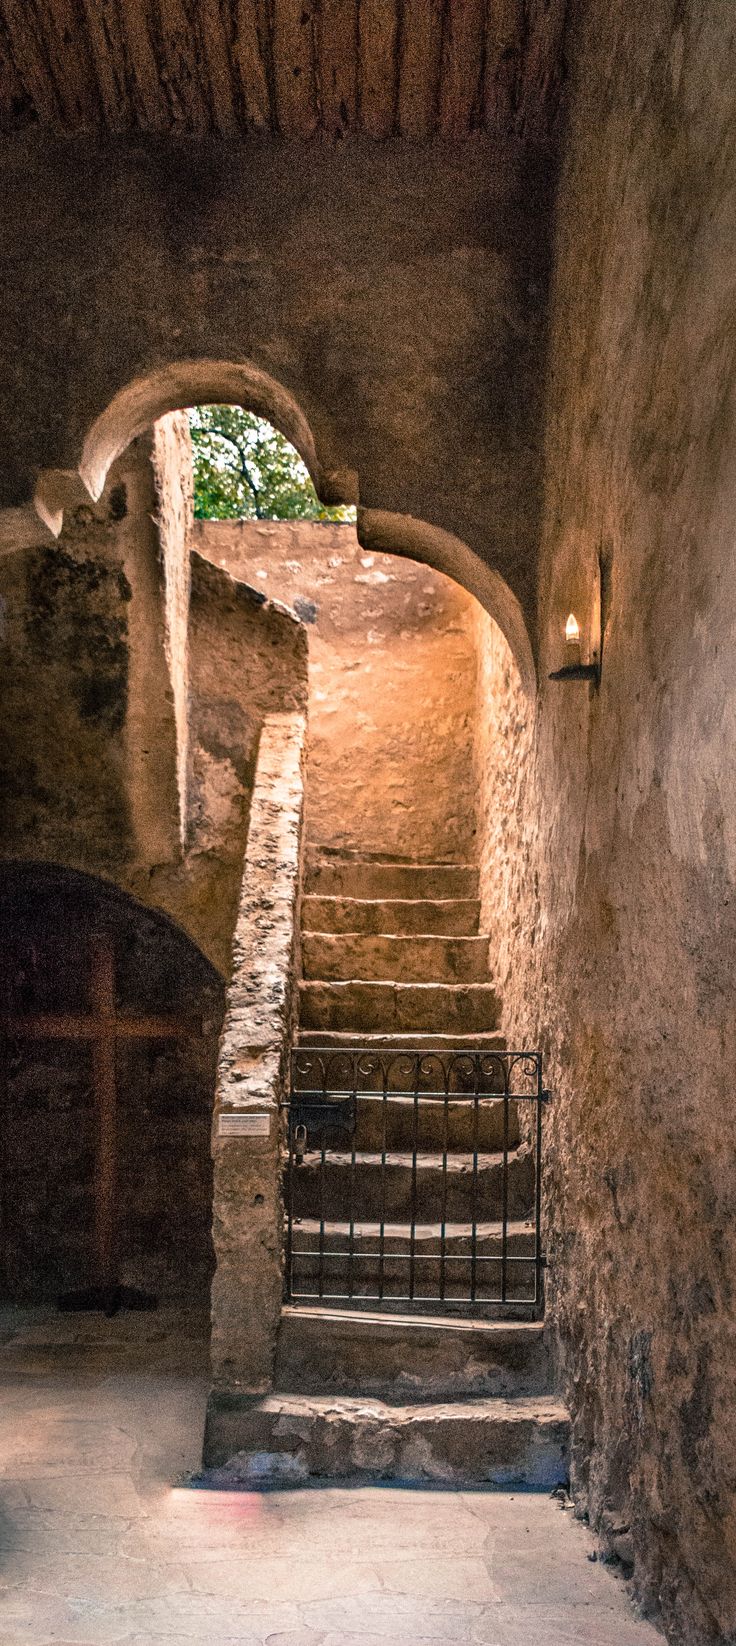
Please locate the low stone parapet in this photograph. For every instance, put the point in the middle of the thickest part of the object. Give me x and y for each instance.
(252, 1066)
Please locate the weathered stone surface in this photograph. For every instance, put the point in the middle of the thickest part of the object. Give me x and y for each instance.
(172, 467)
(405, 959)
(290, 1438)
(456, 917)
(408, 1358)
(392, 672)
(618, 863)
(248, 1211)
(375, 1186)
(343, 877)
(404, 1006)
(411, 1041)
(132, 716)
(98, 1418)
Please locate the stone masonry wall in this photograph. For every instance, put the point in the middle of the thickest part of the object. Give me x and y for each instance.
(629, 829)
(132, 712)
(504, 725)
(392, 686)
(172, 464)
(248, 1217)
(48, 1123)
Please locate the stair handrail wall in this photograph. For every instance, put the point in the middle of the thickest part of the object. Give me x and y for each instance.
(253, 1065)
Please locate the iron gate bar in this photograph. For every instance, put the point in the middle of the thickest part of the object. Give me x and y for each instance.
(332, 1090)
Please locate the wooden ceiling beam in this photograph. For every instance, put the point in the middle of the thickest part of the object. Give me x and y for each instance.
(294, 67)
(108, 55)
(504, 54)
(30, 57)
(337, 65)
(462, 64)
(182, 65)
(420, 60)
(216, 27)
(146, 93)
(251, 51)
(378, 67)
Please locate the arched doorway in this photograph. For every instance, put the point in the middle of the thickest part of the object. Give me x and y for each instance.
(110, 1017)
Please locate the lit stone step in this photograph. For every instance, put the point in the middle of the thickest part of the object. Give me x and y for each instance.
(346, 877)
(341, 957)
(412, 1041)
(459, 1125)
(352, 1263)
(288, 1439)
(408, 1356)
(371, 1189)
(387, 1007)
(452, 917)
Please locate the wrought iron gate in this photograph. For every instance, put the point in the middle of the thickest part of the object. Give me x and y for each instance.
(413, 1179)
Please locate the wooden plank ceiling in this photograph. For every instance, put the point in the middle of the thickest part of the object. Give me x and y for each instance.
(296, 68)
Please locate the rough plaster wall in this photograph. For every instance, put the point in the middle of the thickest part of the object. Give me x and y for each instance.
(392, 686)
(252, 1071)
(630, 824)
(248, 659)
(398, 292)
(172, 467)
(504, 723)
(87, 742)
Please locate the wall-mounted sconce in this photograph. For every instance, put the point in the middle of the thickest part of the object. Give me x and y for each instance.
(574, 668)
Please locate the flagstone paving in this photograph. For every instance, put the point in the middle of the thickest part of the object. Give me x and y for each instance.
(98, 1544)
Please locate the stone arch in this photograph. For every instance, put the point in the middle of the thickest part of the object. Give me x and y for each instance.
(387, 533)
(79, 951)
(170, 388)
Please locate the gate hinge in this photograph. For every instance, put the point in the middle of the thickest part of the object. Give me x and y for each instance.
(546, 1095)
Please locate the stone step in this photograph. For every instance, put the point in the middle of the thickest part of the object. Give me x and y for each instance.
(370, 1189)
(397, 1355)
(437, 1125)
(348, 877)
(341, 957)
(288, 1439)
(451, 917)
(352, 1265)
(347, 1040)
(467, 1008)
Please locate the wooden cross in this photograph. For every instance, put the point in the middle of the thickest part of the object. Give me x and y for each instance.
(103, 1027)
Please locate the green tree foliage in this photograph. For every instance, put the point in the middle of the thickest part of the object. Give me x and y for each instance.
(245, 469)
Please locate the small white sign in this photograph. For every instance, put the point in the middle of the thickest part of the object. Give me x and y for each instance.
(244, 1125)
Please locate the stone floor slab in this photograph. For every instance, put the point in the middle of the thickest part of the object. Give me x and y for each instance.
(99, 1545)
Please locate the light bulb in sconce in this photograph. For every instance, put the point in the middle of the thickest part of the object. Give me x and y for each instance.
(572, 639)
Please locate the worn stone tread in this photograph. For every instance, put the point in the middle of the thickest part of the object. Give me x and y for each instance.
(430, 1007)
(388, 1325)
(366, 1229)
(407, 1041)
(427, 1159)
(366, 879)
(398, 917)
(382, 958)
(481, 1439)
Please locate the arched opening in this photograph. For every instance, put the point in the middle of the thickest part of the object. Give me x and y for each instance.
(110, 1017)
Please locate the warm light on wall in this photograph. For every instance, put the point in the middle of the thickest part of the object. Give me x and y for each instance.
(574, 668)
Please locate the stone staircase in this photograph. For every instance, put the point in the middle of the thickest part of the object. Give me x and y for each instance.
(392, 956)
